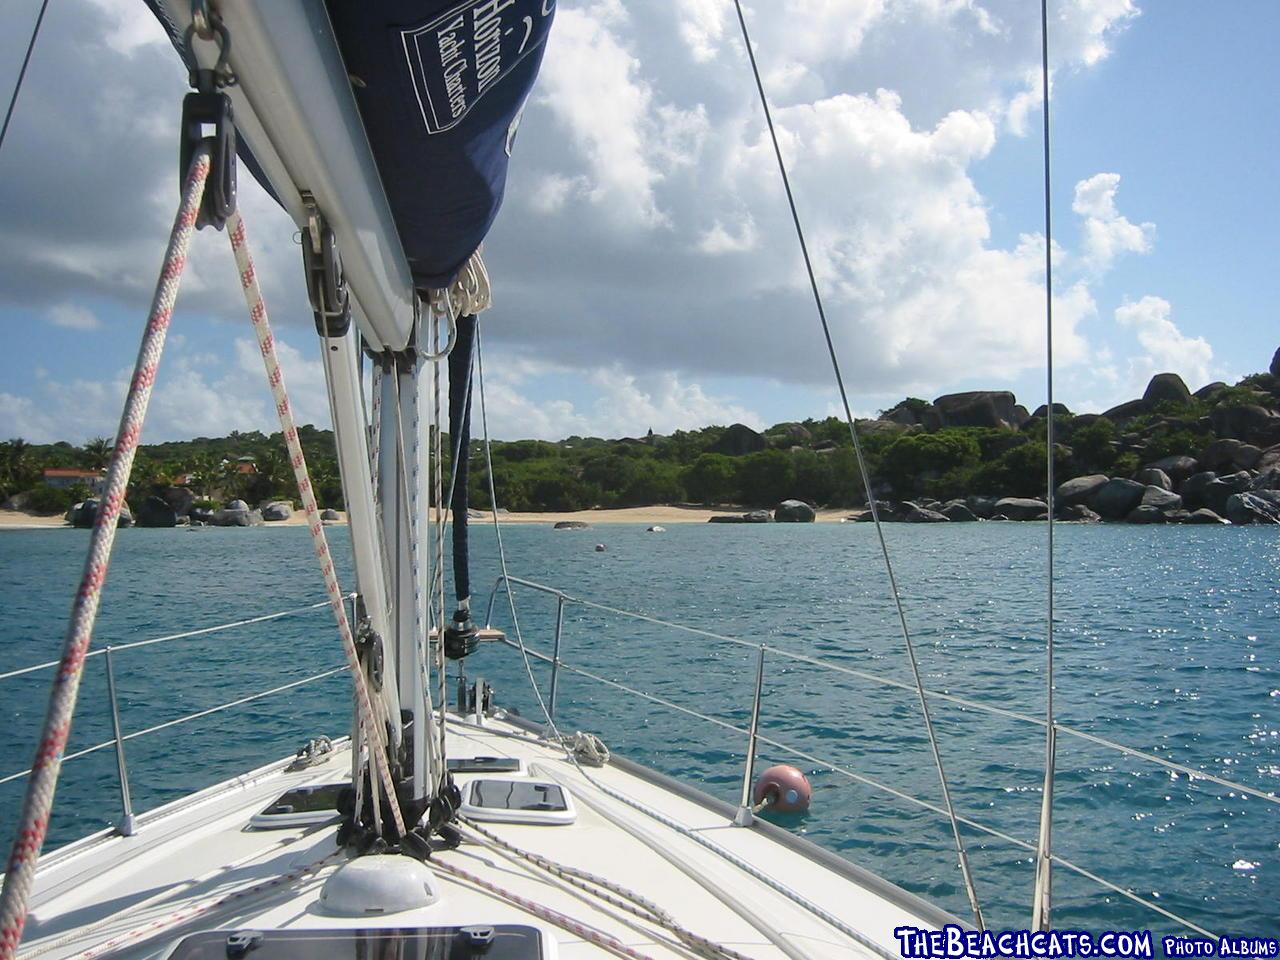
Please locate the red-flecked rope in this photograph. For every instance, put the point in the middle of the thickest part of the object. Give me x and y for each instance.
(33, 822)
(563, 921)
(275, 377)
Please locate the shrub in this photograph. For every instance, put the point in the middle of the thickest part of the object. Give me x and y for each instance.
(47, 499)
(914, 459)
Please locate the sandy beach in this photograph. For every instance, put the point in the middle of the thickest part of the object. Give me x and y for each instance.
(650, 516)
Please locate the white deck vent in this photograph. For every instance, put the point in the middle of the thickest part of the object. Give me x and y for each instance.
(375, 886)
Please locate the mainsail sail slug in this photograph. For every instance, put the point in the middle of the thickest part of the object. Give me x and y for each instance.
(397, 118)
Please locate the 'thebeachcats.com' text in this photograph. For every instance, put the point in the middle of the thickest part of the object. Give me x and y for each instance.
(953, 942)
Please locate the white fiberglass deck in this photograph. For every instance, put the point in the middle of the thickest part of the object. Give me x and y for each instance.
(137, 895)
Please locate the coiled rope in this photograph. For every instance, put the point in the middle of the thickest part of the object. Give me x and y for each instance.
(37, 804)
(275, 377)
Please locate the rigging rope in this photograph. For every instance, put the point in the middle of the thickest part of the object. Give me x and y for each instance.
(611, 893)
(590, 934)
(37, 804)
(22, 72)
(970, 889)
(275, 377)
(1043, 890)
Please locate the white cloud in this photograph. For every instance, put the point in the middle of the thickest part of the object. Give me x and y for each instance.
(73, 317)
(1167, 348)
(195, 395)
(593, 87)
(1107, 233)
(645, 230)
(620, 404)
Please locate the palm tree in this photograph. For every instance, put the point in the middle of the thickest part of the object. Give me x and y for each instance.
(97, 453)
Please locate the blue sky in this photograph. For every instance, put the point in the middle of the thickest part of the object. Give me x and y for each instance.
(645, 272)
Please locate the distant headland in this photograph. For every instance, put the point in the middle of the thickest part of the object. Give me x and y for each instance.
(1169, 456)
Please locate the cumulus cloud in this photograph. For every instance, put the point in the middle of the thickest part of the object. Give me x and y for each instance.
(1107, 233)
(1167, 349)
(196, 394)
(646, 246)
(620, 404)
(73, 317)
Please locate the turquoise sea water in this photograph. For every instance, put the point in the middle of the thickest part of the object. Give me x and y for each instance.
(1168, 640)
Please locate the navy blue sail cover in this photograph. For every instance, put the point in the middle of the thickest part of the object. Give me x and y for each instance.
(441, 87)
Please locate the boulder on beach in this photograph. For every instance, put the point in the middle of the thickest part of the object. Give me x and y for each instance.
(1267, 480)
(755, 516)
(1022, 508)
(1260, 507)
(180, 499)
(228, 517)
(1160, 498)
(277, 510)
(1146, 513)
(1127, 411)
(85, 514)
(1229, 454)
(914, 513)
(738, 440)
(1178, 467)
(1251, 423)
(794, 511)
(237, 505)
(1202, 516)
(958, 512)
(1117, 498)
(156, 512)
(330, 515)
(1220, 490)
(1077, 513)
(1194, 487)
(978, 408)
(1167, 388)
(983, 507)
(1154, 477)
(1079, 489)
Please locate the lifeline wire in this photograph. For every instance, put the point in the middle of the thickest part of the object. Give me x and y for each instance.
(824, 915)
(1043, 892)
(866, 479)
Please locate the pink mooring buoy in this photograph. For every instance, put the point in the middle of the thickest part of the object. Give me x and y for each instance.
(784, 788)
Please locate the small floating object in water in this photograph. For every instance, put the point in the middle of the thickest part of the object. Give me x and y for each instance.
(656, 529)
(599, 548)
(783, 788)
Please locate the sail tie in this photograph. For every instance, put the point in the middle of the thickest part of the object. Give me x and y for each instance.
(37, 804)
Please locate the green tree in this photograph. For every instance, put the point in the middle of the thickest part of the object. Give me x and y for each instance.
(97, 453)
(915, 458)
(765, 477)
(711, 478)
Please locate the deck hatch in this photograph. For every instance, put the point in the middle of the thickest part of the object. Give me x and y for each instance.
(301, 807)
(500, 941)
(518, 800)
